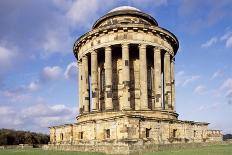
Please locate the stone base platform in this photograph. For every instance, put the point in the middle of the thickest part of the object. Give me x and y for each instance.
(127, 132)
(125, 149)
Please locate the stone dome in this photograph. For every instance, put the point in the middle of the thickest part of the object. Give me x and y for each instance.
(125, 15)
(124, 8)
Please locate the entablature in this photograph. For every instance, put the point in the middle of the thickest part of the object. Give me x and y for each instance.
(94, 37)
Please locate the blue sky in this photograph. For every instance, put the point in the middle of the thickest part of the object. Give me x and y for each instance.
(38, 73)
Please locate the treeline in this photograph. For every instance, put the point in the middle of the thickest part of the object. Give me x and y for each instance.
(227, 136)
(13, 137)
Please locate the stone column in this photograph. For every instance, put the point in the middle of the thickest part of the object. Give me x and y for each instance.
(126, 77)
(94, 84)
(108, 78)
(143, 77)
(167, 81)
(157, 79)
(173, 84)
(85, 84)
(80, 87)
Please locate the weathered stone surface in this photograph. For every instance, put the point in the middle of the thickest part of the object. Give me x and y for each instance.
(129, 61)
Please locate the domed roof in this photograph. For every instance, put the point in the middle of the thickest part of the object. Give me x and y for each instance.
(124, 8)
(125, 11)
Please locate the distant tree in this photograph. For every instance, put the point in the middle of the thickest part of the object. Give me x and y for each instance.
(227, 136)
(3, 139)
(12, 137)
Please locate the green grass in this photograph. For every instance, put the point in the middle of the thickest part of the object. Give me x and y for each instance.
(209, 150)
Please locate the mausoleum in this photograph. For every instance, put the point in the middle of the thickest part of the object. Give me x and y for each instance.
(127, 89)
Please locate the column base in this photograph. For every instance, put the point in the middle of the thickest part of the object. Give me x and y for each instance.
(145, 109)
(127, 108)
(108, 109)
(95, 110)
(158, 108)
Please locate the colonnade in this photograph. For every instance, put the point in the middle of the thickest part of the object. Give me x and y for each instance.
(163, 82)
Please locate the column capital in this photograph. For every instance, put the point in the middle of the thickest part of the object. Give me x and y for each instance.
(125, 44)
(84, 57)
(142, 45)
(167, 53)
(108, 48)
(157, 48)
(94, 51)
(173, 59)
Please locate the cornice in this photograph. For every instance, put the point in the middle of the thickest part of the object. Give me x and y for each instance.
(161, 32)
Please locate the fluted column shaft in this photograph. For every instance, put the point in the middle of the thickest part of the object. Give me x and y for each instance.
(167, 82)
(108, 79)
(157, 79)
(94, 84)
(173, 84)
(80, 86)
(126, 77)
(85, 84)
(143, 77)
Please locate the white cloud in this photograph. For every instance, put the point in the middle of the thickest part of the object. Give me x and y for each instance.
(210, 42)
(16, 95)
(57, 40)
(218, 73)
(82, 11)
(33, 86)
(200, 89)
(5, 110)
(52, 72)
(37, 116)
(44, 115)
(229, 42)
(9, 117)
(72, 15)
(44, 110)
(229, 94)
(71, 71)
(7, 55)
(225, 36)
(227, 88)
(190, 79)
(227, 84)
(209, 106)
(182, 79)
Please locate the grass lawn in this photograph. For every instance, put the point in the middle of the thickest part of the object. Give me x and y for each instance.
(209, 150)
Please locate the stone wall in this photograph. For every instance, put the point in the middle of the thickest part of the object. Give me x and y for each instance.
(214, 136)
(126, 149)
(133, 128)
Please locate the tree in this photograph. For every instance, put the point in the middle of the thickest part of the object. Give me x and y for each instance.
(12, 137)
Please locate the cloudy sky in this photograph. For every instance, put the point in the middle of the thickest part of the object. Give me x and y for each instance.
(38, 73)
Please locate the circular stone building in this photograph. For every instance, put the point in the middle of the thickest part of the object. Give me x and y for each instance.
(127, 89)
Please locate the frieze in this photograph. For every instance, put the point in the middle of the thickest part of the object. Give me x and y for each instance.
(157, 33)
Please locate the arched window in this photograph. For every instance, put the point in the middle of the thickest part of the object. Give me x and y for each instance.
(102, 80)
